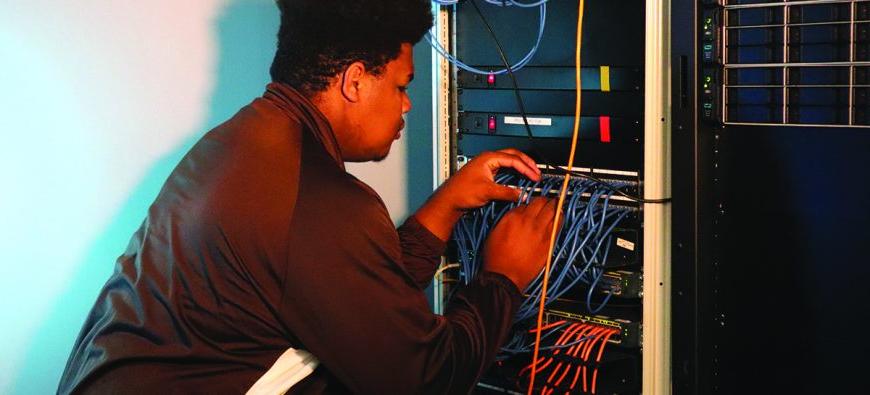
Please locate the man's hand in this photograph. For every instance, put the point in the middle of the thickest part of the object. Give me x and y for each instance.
(518, 246)
(473, 186)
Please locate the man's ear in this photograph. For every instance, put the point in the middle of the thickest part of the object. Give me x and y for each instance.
(352, 80)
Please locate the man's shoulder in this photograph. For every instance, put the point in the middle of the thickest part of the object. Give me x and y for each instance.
(247, 167)
(258, 126)
(341, 194)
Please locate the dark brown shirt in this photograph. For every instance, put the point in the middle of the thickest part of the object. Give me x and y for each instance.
(260, 241)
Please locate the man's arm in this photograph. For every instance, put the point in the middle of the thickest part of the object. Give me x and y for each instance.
(348, 299)
(421, 251)
(424, 234)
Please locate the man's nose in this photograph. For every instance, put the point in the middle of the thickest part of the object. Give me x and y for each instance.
(406, 104)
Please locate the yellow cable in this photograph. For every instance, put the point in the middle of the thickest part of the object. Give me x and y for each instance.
(562, 194)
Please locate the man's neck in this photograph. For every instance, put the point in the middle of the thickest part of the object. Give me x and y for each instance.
(332, 106)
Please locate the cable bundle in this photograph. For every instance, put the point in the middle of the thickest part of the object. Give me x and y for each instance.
(582, 245)
(496, 2)
(542, 22)
(572, 351)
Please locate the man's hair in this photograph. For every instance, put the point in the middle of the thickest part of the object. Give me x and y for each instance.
(318, 39)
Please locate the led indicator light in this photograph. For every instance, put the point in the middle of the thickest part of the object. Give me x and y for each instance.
(490, 79)
(492, 124)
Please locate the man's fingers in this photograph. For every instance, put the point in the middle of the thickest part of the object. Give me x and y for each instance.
(501, 160)
(501, 192)
(525, 158)
(518, 210)
(537, 204)
(543, 211)
(548, 212)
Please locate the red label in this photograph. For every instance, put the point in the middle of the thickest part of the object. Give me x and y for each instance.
(604, 129)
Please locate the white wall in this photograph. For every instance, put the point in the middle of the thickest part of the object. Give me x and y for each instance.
(98, 101)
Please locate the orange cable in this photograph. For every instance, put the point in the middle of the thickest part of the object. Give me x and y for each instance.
(606, 338)
(562, 377)
(588, 346)
(562, 194)
(576, 334)
(577, 374)
(562, 339)
(573, 350)
(555, 372)
(598, 358)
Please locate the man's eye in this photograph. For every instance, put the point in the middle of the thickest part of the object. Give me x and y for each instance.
(403, 89)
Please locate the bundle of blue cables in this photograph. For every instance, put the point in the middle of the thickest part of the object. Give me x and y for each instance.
(542, 22)
(581, 249)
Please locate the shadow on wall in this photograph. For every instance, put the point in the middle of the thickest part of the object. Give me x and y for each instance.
(419, 160)
(419, 137)
(245, 34)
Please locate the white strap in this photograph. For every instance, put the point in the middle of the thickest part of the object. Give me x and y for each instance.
(290, 368)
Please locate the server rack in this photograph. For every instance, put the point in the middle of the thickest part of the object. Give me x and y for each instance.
(769, 120)
(767, 128)
(624, 135)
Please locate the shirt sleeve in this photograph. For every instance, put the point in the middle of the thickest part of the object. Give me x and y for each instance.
(421, 251)
(348, 299)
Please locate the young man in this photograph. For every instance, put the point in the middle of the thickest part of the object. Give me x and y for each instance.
(261, 254)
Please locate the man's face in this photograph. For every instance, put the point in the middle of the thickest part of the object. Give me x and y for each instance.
(378, 118)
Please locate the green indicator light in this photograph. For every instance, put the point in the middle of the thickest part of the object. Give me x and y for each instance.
(708, 105)
(708, 79)
(708, 46)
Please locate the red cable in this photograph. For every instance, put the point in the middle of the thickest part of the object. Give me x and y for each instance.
(572, 351)
(565, 339)
(598, 358)
(560, 341)
(589, 350)
(587, 346)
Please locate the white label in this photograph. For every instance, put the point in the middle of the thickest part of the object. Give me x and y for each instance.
(625, 244)
(532, 121)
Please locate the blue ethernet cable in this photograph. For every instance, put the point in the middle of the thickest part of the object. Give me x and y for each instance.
(587, 228)
(561, 270)
(591, 290)
(496, 2)
(542, 22)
